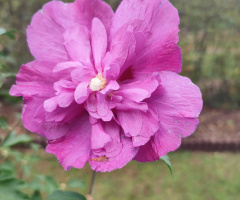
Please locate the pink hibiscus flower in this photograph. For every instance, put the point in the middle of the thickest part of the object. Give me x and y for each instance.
(104, 88)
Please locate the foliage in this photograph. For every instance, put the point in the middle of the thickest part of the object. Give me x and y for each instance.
(14, 139)
(10, 186)
(60, 195)
(166, 160)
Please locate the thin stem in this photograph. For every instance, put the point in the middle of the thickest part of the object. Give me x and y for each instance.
(91, 186)
(13, 128)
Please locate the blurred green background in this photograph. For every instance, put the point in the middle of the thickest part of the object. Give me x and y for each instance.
(210, 43)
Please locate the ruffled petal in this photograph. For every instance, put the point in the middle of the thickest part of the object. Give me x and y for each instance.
(78, 44)
(112, 71)
(163, 20)
(87, 10)
(73, 150)
(116, 154)
(50, 130)
(138, 90)
(150, 126)
(91, 103)
(81, 93)
(99, 42)
(45, 35)
(111, 86)
(126, 105)
(123, 50)
(131, 121)
(34, 79)
(102, 105)
(146, 153)
(69, 66)
(65, 99)
(99, 138)
(83, 74)
(178, 104)
(65, 93)
(50, 104)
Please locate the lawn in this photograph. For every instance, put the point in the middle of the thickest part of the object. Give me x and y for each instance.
(197, 176)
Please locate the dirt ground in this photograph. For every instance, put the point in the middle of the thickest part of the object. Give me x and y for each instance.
(216, 126)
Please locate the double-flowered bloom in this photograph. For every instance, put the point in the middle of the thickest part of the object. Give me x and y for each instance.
(104, 87)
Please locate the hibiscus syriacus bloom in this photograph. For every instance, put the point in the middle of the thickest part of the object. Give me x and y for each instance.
(104, 87)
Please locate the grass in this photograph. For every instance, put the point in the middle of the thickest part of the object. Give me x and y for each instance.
(197, 176)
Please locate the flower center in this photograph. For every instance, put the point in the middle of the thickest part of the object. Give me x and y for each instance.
(98, 83)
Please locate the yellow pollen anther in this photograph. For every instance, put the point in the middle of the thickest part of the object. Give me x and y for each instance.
(98, 83)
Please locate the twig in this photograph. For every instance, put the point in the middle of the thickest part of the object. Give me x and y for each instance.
(89, 195)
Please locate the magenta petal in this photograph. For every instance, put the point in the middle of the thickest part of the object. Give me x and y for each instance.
(138, 90)
(163, 20)
(180, 97)
(87, 10)
(83, 74)
(64, 85)
(91, 103)
(47, 43)
(99, 42)
(146, 153)
(77, 43)
(123, 50)
(99, 138)
(65, 99)
(74, 149)
(136, 94)
(51, 104)
(131, 121)
(139, 140)
(112, 71)
(81, 92)
(117, 162)
(66, 66)
(34, 79)
(150, 125)
(49, 130)
(114, 147)
(166, 140)
(111, 86)
(102, 105)
(106, 118)
(166, 57)
(60, 115)
(127, 105)
(177, 106)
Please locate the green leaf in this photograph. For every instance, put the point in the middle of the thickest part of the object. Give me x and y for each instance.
(3, 123)
(166, 159)
(14, 139)
(36, 195)
(44, 183)
(7, 167)
(65, 195)
(10, 186)
(13, 195)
